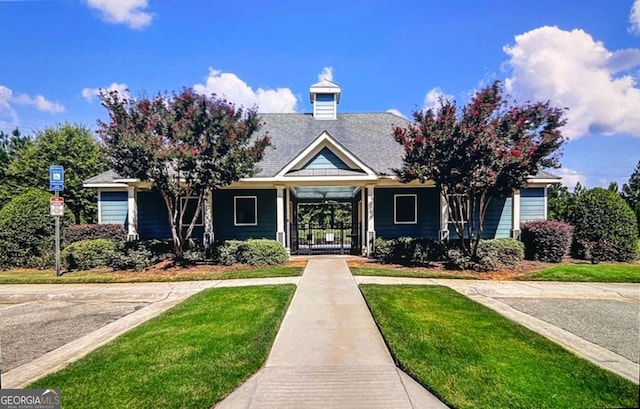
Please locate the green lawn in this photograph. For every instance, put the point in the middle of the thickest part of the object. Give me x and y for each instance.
(409, 272)
(190, 357)
(471, 357)
(614, 273)
(78, 277)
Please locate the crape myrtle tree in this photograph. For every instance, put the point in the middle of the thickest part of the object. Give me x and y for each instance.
(184, 144)
(484, 151)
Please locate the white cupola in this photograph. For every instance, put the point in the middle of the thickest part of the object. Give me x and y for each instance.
(325, 97)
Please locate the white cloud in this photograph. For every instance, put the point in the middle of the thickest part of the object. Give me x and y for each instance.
(129, 12)
(229, 86)
(9, 100)
(433, 97)
(634, 18)
(326, 74)
(396, 112)
(572, 70)
(39, 102)
(90, 93)
(570, 177)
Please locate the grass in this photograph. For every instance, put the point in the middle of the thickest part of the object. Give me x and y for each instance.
(409, 272)
(471, 357)
(190, 357)
(107, 276)
(613, 273)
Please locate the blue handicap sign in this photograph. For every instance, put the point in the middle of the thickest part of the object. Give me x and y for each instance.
(56, 177)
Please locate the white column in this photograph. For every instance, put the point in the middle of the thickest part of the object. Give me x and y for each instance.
(207, 204)
(280, 237)
(287, 221)
(132, 214)
(371, 230)
(444, 217)
(515, 214)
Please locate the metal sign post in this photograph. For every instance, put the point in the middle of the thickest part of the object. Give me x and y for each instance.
(56, 183)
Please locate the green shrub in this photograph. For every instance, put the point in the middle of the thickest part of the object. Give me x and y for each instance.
(492, 255)
(226, 253)
(27, 231)
(77, 232)
(546, 240)
(637, 256)
(132, 256)
(495, 254)
(384, 250)
(605, 227)
(407, 250)
(88, 254)
(262, 253)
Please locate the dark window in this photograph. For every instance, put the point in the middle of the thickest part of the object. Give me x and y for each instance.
(245, 211)
(405, 209)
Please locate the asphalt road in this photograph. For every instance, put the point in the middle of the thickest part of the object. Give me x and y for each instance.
(614, 325)
(31, 329)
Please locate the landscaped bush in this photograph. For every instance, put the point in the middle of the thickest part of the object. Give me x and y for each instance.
(605, 227)
(499, 253)
(132, 256)
(492, 255)
(407, 250)
(27, 231)
(88, 254)
(546, 240)
(226, 253)
(77, 232)
(262, 253)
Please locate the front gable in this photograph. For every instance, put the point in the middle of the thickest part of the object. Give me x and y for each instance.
(325, 157)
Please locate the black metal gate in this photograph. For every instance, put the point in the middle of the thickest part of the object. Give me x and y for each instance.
(325, 239)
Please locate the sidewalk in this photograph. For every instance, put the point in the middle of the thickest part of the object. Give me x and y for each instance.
(329, 353)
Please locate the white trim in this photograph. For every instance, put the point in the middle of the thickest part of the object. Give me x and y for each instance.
(110, 185)
(371, 231)
(184, 199)
(444, 217)
(99, 206)
(280, 222)
(132, 214)
(546, 203)
(415, 208)
(515, 213)
(324, 140)
(255, 210)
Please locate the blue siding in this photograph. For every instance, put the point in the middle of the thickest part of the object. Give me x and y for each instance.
(497, 220)
(428, 201)
(325, 159)
(532, 204)
(153, 222)
(113, 207)
(223, 204)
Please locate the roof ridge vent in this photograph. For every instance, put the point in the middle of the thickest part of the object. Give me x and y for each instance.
(325, 97)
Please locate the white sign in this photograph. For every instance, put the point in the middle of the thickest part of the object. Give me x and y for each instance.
(57, 205)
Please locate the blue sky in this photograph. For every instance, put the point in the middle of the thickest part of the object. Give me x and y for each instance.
(387, 55)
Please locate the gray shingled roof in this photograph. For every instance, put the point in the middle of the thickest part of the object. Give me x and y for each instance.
(105, 177)
(369, 137)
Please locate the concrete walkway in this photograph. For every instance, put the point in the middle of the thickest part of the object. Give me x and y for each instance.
(329, 353)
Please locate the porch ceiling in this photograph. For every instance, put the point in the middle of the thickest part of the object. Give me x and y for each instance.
(325, 192)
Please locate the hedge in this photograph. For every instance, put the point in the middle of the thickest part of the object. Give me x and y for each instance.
(88, 254)
(260, 252)
(77, 232)
(27, 231)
